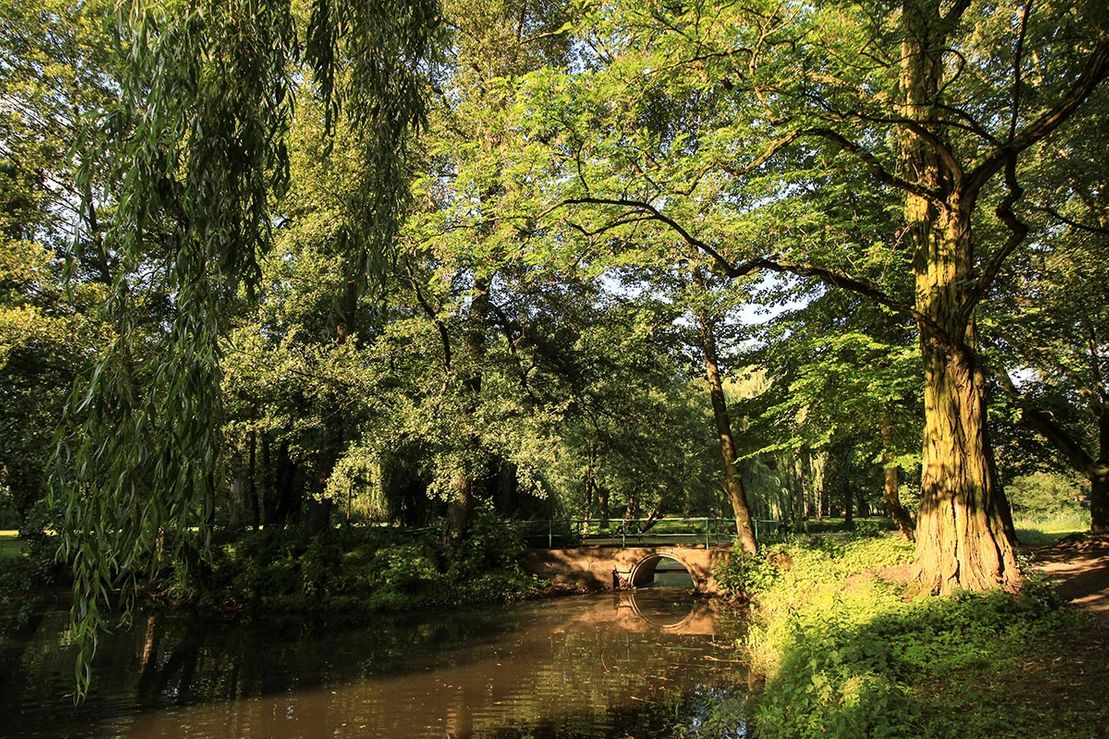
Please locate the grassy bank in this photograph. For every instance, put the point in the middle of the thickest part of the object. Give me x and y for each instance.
(844, 655)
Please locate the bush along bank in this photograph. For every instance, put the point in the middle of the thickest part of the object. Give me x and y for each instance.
(347, 571)
(844, 655)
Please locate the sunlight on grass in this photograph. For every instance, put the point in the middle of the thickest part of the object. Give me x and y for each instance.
(1043, 531)
(9, 544)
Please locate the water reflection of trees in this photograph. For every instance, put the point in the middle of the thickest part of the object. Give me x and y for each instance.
(548, 668)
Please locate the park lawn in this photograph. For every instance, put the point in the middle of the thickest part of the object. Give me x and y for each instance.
(1045, 531)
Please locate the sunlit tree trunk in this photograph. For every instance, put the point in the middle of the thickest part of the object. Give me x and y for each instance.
(962, 537)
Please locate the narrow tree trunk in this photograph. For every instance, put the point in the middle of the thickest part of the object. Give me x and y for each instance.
(741, 510)
(602, 499)
(251, 482)
(1099, 479)
(631, 508)
(460, 507)
(892, 494)
(269, 487)
(589, 486)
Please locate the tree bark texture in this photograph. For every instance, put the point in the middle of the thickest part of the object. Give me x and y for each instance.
(962, 537)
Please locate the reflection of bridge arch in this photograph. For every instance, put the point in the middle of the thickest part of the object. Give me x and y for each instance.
(643, 573)
(628, 599)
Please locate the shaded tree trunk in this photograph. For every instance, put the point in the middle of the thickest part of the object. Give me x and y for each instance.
(251, 483)
(848, 502)
(741, 510)
(589, 486)
(1095, 470)
(269, 487)
(891, 489)
(460, 507)
(1099, 478)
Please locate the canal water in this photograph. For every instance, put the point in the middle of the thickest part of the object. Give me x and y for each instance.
(644, 664)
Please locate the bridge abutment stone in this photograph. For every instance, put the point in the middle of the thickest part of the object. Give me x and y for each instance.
(591, 568)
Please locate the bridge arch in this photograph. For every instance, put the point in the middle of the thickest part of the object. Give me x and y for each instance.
(643, 573)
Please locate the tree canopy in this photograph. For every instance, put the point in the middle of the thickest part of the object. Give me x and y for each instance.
(328, 262)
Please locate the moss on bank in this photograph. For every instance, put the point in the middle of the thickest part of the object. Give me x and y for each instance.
(844, 655)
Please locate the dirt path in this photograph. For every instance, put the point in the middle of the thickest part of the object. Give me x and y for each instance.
(1081, 569)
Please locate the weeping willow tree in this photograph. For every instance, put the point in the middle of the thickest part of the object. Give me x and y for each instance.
(199, 159)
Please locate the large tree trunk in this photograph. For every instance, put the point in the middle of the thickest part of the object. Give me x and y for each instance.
(741, 510)
(962, 537)
(892, 495)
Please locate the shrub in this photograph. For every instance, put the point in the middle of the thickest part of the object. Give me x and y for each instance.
(845, 655)
(744, 575)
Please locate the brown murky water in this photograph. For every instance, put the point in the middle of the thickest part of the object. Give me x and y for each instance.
(652, 664)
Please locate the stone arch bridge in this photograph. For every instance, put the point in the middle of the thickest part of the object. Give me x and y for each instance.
(610, 568)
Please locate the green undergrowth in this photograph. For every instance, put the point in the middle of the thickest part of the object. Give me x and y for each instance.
(28, 570)
(844, 655)
(355, 570)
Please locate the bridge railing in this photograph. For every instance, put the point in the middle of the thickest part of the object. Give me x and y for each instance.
(706, 530)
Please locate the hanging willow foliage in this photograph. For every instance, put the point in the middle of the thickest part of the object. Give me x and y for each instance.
(198, 153)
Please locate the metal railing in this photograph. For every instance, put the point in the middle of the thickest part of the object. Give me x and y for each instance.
(564, 532)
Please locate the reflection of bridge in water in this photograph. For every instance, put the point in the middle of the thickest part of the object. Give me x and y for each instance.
(612, 568)
(660, 611)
